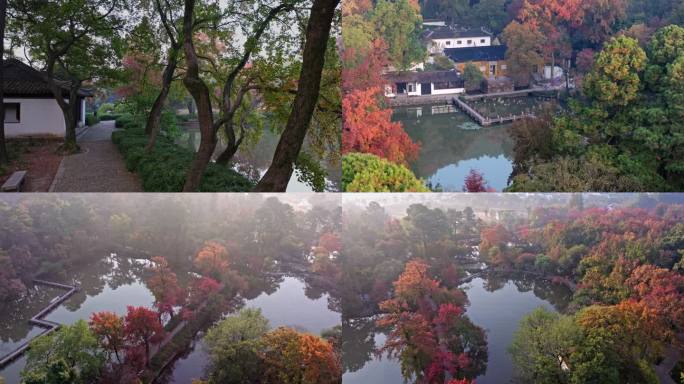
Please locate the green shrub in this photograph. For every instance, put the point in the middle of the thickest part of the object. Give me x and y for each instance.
(105, 108)
(91, 119)
(363, 172)
(108, 116)
(186, 118)
(124, 121)
(164, 169)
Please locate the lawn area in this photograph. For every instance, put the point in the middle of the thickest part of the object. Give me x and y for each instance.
(38, 157)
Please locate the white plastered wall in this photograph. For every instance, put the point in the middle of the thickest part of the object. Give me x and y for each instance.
(38, 117)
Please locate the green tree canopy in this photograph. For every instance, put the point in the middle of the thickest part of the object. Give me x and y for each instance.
(363, 172)
(74, 40)
(472, 76)
(615, 79)
(399, 24)
(68, 355)
(233, 344)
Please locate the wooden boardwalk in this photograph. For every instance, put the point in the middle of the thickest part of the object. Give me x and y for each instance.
(38, 320)
(487, 121)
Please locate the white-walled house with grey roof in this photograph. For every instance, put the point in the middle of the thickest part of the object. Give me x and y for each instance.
(30, 107)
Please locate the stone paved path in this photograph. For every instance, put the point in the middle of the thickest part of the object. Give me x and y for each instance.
(98, 168)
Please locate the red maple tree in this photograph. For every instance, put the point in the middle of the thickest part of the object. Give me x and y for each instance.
(475, 182)
(142, 328)
(369, 129)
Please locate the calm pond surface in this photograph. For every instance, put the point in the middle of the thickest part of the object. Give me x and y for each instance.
(113, 283)
(452, 144)
(254, 160)
(496, 304)
(109, 284)
(287, 306)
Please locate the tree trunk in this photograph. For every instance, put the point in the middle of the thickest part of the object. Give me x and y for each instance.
(3, 147)
(191, 107)
(292, 139)
(69, 108)
(152, 127)
(70, 120)
(200, 93)
(567, 75)
(147, 353)
(232, 145)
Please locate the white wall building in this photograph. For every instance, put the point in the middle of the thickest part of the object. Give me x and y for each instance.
(30, 107)
(423, 83)
(443, 38)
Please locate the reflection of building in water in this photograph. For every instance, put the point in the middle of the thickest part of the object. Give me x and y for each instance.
(417, 110)
(437, 109)
(445, 108)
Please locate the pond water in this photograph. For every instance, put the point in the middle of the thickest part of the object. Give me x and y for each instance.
(108, 284)
(15, 329)
(452, 144)
(113, 283)
(254, 160)
(496, 304)
(287, 306)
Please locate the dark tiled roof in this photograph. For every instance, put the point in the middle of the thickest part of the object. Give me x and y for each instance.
(451, 33)
(20, 80)
(487, 53)
(423, 77)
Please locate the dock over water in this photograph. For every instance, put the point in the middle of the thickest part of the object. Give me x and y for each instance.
(37, 320)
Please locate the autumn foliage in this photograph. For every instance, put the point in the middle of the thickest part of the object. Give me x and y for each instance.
(212, 259)
(142, 328)
(164, 285)
(475, 182)
(369, 129)
(109, 329)
(294, 357)
(428, 331)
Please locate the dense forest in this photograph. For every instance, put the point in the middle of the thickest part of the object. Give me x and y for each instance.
(619, 129)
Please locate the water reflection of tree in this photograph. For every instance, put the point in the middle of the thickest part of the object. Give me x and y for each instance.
(558, 295)
(443, 142)
(358, 342)
(14, 315)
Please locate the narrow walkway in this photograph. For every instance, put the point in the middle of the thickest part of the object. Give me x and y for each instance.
(673, 354)
(38, 321)
(98, 168)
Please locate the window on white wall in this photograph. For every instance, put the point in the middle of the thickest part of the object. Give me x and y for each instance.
(448, 42)
(470, 42)
(482, 41)
(12, 112)
(411, 87)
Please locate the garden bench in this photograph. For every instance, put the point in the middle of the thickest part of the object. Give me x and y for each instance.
(15, 182)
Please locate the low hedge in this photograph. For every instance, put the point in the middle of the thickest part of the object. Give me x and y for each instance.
(164, 169)
(91, 119)
(125, 120)
(109, 116)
